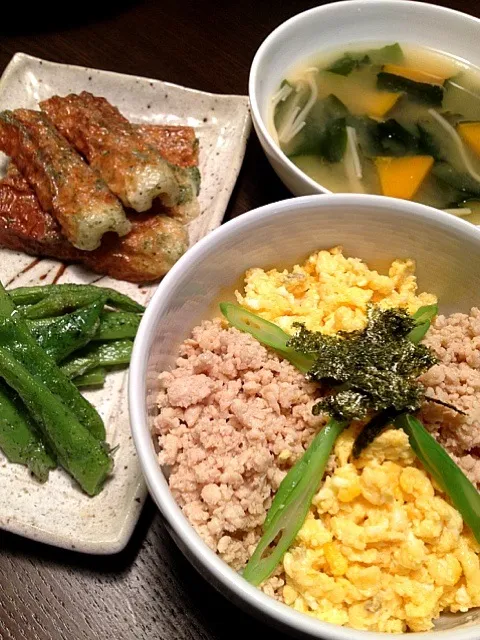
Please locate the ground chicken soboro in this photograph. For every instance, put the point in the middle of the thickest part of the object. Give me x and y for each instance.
(456, 379)
(372, 554)
(233, 419)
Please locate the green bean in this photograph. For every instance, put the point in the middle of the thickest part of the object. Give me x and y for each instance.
(68, 333)
(32, 295)
(83, 456)
(57, 304)
(106, 354)
(266, 333)
(16, 338)
(35, 325)
(19, 439)
(94, 378)
(115, 325)
(6, 303)
(291, 504)
(464, 496)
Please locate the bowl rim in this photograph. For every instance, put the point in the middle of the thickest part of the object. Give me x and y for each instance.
(262, 51)
(212, 564)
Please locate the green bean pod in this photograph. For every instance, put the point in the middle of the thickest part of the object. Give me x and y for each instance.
(60, 303)
(70, 332)
(32, 295)
(94, 378)
(107, 354)
(19, 439)
(17, 339)
(116, 325)
(83, 456)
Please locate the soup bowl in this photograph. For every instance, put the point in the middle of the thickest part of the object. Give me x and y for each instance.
(375, 228)
(342, 26)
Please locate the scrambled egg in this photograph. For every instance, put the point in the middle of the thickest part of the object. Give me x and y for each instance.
(381, 549)
(330, 292)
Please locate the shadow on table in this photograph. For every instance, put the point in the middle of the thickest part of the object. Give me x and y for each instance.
(257, 183)
(44, 17)
(158, 574)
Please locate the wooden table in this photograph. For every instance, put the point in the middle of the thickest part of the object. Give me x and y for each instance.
(149, 591)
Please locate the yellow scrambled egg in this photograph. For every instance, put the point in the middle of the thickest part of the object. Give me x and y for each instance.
(381, 549)
(330, 292)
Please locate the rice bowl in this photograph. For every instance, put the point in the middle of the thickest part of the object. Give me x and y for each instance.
(389, 230)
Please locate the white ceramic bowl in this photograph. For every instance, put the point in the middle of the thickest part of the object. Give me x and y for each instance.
(339, 26)
(374, 228)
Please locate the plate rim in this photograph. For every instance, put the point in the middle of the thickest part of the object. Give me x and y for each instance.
(20, 56)
(132, 511)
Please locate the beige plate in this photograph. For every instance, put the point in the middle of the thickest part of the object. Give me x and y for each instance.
(57, 512)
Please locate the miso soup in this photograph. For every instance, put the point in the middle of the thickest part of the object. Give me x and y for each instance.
(401, 121)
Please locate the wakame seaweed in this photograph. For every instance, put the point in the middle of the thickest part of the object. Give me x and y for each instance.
(334, 141)
(427, 144)
(463, 182)
(324, 133)
(387, 138)
(392, 139)
(429, 94)
(347, 63)
(369, 370)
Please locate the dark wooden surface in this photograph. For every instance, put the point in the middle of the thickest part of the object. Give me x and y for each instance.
(149, 591)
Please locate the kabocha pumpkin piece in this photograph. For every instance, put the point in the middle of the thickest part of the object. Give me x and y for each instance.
(375, 104)
(417, 75)
(470, 133)
(402, 177)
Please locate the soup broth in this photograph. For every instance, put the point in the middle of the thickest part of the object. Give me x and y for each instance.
(396, 120)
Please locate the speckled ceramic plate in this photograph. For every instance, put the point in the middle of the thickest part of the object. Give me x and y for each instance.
(57, 512)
